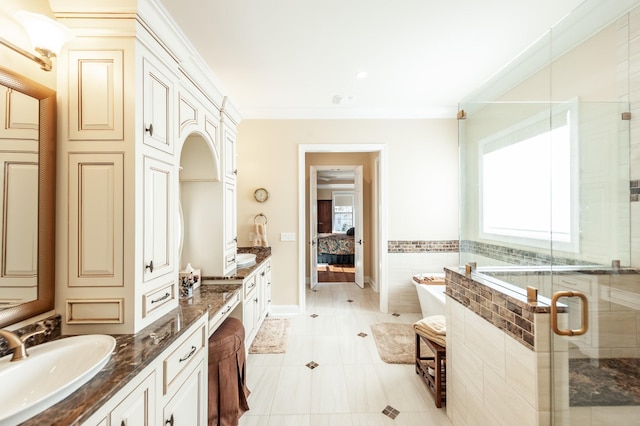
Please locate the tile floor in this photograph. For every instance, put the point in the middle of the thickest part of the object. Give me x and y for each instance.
(349, 384)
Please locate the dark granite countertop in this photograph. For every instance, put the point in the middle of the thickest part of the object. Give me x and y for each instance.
(239, 274)
(132, 354)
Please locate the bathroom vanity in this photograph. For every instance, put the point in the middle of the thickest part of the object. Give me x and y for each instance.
(156, 374)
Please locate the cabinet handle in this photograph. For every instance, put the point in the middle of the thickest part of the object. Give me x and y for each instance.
(235, 172)
(253, 284)
(187, 356)
(228, 309)
(169, 421)
(262, 273)
(160, 299)
(149, 129)
(255, 300)
(235, 239)
(269, 283)
(149, 266)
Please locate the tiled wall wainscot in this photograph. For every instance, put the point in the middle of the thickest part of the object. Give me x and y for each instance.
(498, 356)
(408, 258)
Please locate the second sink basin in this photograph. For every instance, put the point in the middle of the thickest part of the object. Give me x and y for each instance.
(52, 372)
(245, 259)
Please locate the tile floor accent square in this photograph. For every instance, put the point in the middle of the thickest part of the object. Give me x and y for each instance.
(349, 383)
(395, 314)
(314, 315)
(390, 412)
(361, 334)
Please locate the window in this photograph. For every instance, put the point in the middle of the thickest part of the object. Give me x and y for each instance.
(342, 211)
(527, 190)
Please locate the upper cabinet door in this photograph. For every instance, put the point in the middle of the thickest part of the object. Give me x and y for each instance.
(158, 104)
(158, 219)
(229, 152)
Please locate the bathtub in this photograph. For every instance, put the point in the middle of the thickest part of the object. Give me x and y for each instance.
(431, 296)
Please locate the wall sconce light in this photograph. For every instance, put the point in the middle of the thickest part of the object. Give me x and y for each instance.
(47, 37)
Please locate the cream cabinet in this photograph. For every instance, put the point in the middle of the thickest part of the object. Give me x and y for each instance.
(256, 301)
(229, 150)
(158, 100)
(135, 92)
(172, 390)
(189, 405)
(118, 133)
(137, 408)
(158, 220)
(230, 226)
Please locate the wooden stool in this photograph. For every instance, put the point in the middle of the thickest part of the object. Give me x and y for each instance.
(436, 383)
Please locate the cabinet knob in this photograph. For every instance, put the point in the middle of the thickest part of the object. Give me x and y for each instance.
(235, 172)
(255, 300)
(149, 266)
(149, 129)
(169, 421)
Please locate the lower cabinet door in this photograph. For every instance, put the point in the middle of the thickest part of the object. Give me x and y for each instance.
(137, 408)
(188, 405)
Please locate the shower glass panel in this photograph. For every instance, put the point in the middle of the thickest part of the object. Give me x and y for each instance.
(549, 199)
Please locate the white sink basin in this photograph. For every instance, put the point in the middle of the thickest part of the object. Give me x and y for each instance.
(245, 259)
(52, 372)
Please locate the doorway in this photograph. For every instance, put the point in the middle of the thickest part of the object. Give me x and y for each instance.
(336, 207)
(377, 238)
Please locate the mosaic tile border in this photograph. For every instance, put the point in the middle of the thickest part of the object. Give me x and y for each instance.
(634, 189)
(515, 256)
(515, 317)
(53, 330)
(423, 246)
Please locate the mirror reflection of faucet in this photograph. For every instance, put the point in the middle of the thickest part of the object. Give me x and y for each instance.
(17, 343)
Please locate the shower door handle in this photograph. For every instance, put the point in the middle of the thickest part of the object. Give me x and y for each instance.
(554, 313)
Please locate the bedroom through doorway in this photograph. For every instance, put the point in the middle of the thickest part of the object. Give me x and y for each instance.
(337, 220)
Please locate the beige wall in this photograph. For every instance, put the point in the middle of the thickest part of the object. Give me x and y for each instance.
(421, 180)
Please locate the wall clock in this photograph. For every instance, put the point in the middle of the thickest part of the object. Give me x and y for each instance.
(261, 195)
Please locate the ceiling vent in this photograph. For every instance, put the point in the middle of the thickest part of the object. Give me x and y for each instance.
(344, 99)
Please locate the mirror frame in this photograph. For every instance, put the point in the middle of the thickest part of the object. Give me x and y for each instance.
(46, 198)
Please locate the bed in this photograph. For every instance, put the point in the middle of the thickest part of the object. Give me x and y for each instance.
(335, 249)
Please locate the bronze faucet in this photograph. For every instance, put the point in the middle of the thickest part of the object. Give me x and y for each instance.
(17, 343)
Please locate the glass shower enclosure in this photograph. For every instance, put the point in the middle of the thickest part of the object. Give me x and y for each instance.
(549, 170)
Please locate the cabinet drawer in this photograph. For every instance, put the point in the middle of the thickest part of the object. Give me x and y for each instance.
(215, 320)
(158, 297)
(181, 357)
(250, 285)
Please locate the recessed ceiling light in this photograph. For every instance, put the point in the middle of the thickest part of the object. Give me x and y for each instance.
(361, 74)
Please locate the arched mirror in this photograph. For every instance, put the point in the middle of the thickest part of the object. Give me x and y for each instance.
(27, 197)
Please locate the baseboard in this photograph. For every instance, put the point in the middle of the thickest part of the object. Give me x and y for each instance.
(285, 310)
(372, 284)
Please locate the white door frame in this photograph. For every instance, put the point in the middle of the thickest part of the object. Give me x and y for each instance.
(380, 248)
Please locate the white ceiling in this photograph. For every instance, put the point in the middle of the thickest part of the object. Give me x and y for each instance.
(289, 58)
